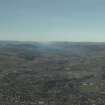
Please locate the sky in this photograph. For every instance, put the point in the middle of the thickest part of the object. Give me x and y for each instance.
(52, 20)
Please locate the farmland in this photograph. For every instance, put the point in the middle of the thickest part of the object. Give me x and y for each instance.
(52, 73)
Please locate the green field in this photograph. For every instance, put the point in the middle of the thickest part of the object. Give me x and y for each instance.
(88, 88)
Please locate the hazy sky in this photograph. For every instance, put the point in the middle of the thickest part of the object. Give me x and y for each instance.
(52, 20)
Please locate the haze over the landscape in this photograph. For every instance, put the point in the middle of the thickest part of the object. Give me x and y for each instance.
(50, 52)
(52, 20)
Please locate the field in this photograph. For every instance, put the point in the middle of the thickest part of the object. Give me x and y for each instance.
(88, 88)
(52, 73)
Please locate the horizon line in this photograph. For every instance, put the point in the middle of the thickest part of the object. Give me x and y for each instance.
(52, 41)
